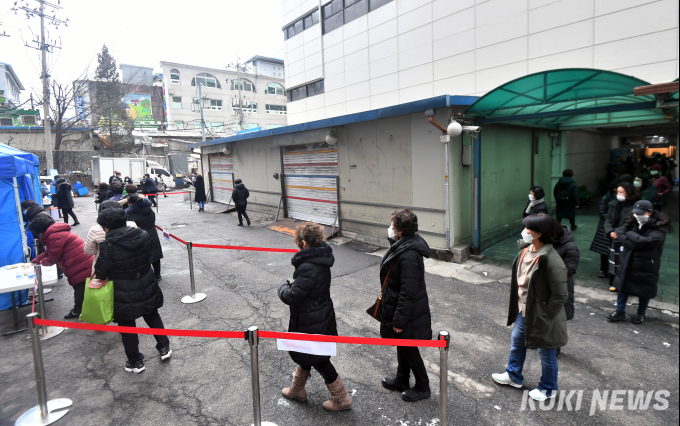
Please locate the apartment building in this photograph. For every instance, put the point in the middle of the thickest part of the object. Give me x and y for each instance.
(10, 87)
(263, 99)
(349, 56)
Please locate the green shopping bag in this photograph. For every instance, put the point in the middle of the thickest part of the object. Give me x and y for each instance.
(98, 302)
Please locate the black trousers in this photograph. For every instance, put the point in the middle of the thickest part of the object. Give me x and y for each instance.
(78, 296)
(241, 210)
(326, 369)
(410, 360)
(152, 198)
(604, 263)
(66, 212)
(131, 341)
(572, 221)
(157, 268)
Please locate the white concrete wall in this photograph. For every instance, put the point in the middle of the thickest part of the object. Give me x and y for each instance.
(415, 49)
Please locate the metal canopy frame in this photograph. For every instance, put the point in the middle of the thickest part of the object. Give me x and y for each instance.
(569, 98)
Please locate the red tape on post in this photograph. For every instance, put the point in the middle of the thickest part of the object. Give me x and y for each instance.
(178, 239)
(137, 330)
(373, 341)
(276, 250)
(166, 193)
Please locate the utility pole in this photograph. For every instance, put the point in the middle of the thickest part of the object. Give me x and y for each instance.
(200, 103)
(238, 66)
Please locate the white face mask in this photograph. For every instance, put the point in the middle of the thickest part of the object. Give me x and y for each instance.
(637, 184)
(390, 233)
(532, 198)
(654, 172)
(528, 238)
(641, 218)
(621, 197)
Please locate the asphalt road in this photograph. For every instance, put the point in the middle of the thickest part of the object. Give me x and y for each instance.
(207, 381)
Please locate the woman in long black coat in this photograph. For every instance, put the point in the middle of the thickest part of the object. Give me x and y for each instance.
(64, 200)
(141, 213)
(536, 203)
(642, 237)
(619, 209)
(199, 184)
(311, 311)
(405, 306)
(568, 250)
(136, 293)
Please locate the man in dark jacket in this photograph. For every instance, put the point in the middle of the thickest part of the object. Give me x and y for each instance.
(125, 258)
(566, 197)
(150, 188)
(141, 213)
(240, 196)
(115, 177)
(565, 246)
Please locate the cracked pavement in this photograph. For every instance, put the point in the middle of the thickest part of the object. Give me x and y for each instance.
(207, 381)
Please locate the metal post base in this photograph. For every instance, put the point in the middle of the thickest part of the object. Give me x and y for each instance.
(266, 424)
(195, 299)
(55, 408)
(51, 332)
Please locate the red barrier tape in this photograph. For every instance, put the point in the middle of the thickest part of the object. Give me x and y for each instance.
(373, 341)
(178, 239)
(277, 250)
(166, 193)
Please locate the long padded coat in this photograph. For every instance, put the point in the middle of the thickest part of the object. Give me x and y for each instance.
(200, 190)
(125, 258)
(569, 252)
(602, 241)
(65, 248)
(405, 304)
(637, 273)
(566, 209)
(142, 214)
(63, 197)
(309, 298)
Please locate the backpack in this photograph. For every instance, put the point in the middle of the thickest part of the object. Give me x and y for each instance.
(562, 195)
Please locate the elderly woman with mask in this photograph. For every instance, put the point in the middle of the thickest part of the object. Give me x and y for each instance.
(536, 202)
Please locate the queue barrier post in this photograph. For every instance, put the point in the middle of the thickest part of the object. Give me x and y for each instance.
(45, 332)
(191, 204)
(443, 376)
(253, 338)
(194, 297)
(46, 412)
(157, 202)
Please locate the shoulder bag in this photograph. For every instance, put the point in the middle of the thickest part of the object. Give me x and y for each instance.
(376, 309)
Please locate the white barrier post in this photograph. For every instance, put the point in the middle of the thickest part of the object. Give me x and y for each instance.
(195, 297)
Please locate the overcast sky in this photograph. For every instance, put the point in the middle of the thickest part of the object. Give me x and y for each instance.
(199, 32)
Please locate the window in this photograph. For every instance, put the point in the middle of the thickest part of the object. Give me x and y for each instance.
(337, 14)
(177, 102)
(305, 23)
(246, 86)
(250, 125)
(6, 122)
(276, 109)
(246, 105)
(179, 125)
(174, 76)
(274, 126)
(216, 104)
(207, 80)
(356, 10)
(274, 88)
(311, 89)
(378, 3)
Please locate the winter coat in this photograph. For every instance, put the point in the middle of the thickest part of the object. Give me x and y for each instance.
(115, 197)
(240, 195)
(103, 195)
(32, 212)
(142, 214)
(648, 193)
(114, 178)
(663, 186)
(200, 190)
(309, 298)
(602, 240)
(538, 208)
(545, 317)
(65, 248)
(95, 236)
(566, 197)
(569, 252)
(150, 186)
(405, 303)
(64, 197)
(124, 257)
(616, 214)
(637, 272)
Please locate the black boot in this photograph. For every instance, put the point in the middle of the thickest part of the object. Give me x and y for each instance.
(639, 319)
(616, 316)
(394, 384)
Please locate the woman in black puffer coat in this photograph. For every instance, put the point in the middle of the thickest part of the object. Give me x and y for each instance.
(565, 246)
(124, 257)
(141, 213)
(405, 306)
(311, 311)
(64, 200)
(619, 210)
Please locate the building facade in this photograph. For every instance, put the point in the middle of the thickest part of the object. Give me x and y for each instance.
(10, 87)
(263, 99)
(349, 56)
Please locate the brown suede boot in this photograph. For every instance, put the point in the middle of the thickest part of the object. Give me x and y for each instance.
(297, 390)
(340, 399)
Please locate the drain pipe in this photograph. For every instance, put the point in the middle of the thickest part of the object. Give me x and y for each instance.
(445, 138)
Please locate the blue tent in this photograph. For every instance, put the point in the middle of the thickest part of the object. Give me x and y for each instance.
(18, 178)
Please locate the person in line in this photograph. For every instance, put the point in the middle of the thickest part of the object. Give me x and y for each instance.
(162, 186)
(104, 193)
(602, 241)
(566, 197)
(642, 237)
(115, 177)
(64, 200)
(140, 212)
(30, 209)
(124, 257)
(405, 305)
(536, 202)
(645, 188)
(199, 185)
(240, 196)
(63, 248)
(150, 188)
(96, 233)
(537, 296)
(662, 185)
(619, 209)
(116, 193)
(128, 181)
(129, 190)
(308, 295)
(565, 246)
(630, 165)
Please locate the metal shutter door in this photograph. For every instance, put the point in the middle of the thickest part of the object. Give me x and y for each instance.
(221, 171)
(310, 179)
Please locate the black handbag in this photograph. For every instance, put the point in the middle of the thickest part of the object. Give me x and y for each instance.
(376, 309)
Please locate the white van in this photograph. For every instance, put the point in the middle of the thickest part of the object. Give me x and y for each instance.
(134, 168)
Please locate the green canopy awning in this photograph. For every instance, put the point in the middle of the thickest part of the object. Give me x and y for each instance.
(570, 98)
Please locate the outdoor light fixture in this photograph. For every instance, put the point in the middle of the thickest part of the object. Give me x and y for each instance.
(227, 150)
(454, 129)
(331, 139)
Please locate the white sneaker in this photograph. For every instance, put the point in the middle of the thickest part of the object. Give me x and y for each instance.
(504, 379)
(539, 396)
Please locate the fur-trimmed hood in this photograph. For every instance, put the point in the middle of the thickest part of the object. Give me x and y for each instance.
(322, 255)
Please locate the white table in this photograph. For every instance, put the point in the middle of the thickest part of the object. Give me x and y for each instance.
(9, 283)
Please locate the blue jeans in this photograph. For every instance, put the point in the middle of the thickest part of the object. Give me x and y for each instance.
(201, 204)
(518, 353)
(622, 299)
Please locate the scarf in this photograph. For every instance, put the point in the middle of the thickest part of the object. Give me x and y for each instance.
(532, 204)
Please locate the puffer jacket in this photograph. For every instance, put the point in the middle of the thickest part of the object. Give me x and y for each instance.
(95, 236)
(200, 190)
(33, 211)
(617, 213)
(65, 248)
(64, 196)
(143, 215)
(545, 318)
(637, 273)
(124, 257)
(569, 252)
(309, 298)
(602, 240)
(405, 304)
(103, 195)
(240, 195)
(538, 208)
(566, 207)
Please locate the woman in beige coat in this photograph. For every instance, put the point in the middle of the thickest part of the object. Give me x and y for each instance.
(96, 234)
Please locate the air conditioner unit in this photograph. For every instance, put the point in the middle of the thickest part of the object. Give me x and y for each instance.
(29, 120)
